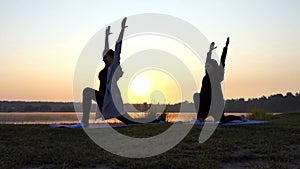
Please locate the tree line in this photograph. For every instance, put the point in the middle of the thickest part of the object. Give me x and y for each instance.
(273, 103)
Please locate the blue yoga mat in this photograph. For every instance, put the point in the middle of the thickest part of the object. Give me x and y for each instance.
(101, 125)
(91, 126)
(232, 123)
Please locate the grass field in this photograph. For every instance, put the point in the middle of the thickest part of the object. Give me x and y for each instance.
(272, 145)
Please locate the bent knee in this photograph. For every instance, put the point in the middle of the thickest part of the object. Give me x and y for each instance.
(88, 91)
(196, 96)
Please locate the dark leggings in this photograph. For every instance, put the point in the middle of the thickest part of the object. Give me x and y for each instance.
(126, 119)
(90, 94)
(229, 118)
(204, 109)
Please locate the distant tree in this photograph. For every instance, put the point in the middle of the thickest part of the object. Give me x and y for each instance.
(289, 94)
(145, 106)
(276, 96)
(263, 98)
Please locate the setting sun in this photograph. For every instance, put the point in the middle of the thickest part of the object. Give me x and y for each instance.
(140, 85)
(152, 86)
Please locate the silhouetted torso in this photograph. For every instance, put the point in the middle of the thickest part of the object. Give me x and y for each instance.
(212, 81)
(102, 88)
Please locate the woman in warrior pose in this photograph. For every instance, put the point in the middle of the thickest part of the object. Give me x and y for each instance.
(211, 95)
(108, 97)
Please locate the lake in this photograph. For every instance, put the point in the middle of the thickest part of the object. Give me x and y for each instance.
(72, 117)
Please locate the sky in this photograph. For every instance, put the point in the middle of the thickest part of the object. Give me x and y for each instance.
(41, 41)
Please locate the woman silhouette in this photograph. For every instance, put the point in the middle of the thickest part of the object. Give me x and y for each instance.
(211, 95)
(108, 97)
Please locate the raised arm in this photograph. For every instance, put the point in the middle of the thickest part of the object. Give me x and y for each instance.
(118, 46)
(224, 53)
(106, 46)
(123, 25)
(211, 48)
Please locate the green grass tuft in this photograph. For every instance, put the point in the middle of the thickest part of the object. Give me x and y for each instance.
(259, 114)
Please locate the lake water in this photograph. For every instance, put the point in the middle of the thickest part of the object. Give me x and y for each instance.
(72, 117)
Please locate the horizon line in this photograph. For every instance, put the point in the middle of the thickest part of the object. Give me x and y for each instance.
(246, 99)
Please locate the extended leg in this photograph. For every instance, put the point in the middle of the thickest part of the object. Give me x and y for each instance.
(88, 95)
(126, 119)
(196, 98)
(229, 118)
(203, 105)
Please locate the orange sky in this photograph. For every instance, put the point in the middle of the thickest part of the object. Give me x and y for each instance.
(41, 42)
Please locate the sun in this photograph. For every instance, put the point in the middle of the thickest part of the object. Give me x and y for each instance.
(140, 85)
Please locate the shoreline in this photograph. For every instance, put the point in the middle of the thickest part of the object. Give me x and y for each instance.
(27, 118)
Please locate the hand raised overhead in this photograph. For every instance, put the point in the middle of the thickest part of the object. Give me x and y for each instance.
(227, 42)
(123, 25)
(107, 31)
(212, 47)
